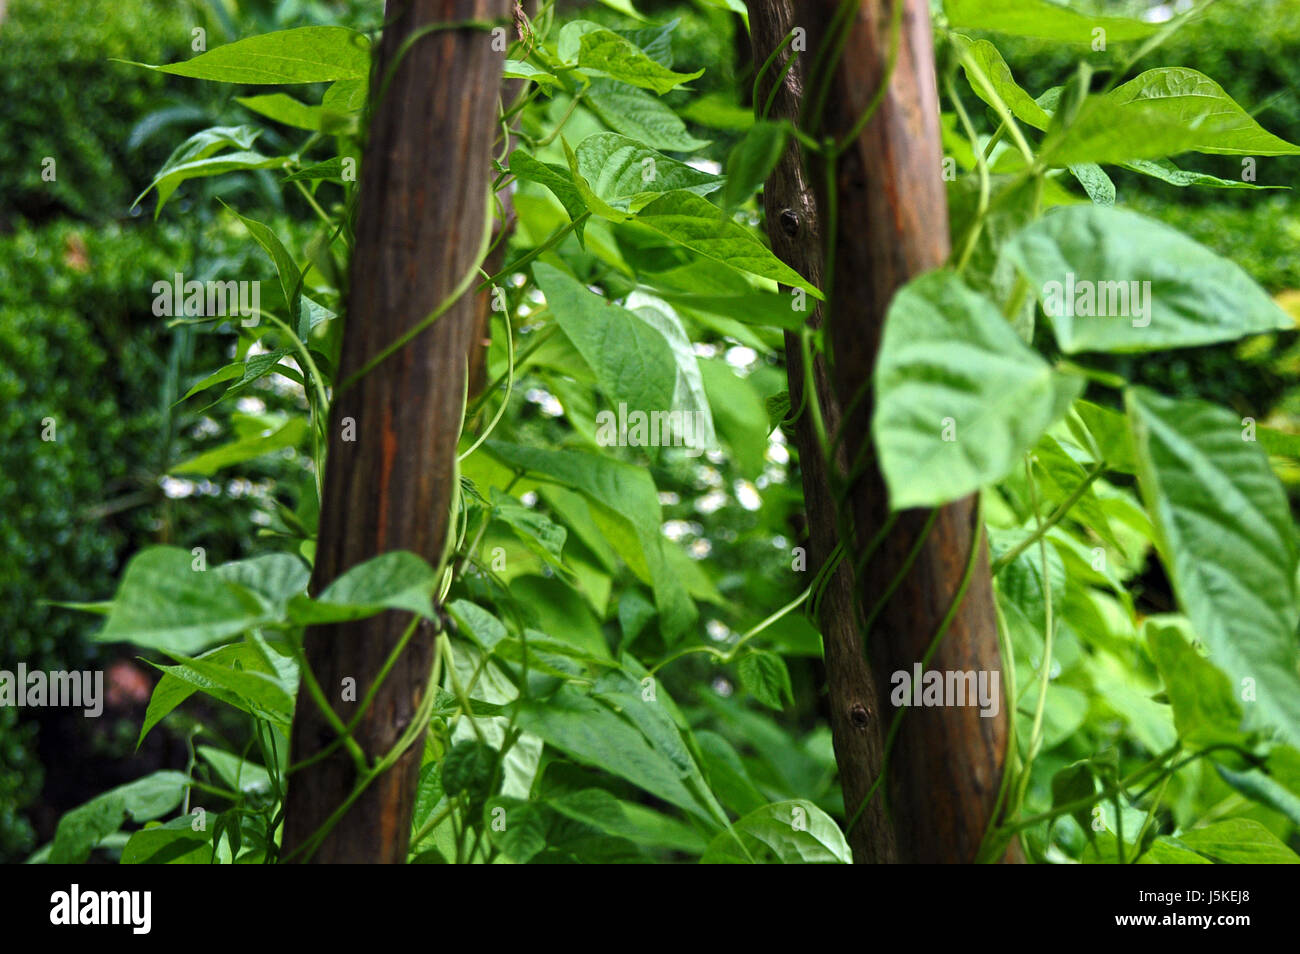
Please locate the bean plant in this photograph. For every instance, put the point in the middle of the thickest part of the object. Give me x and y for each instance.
(604, 689)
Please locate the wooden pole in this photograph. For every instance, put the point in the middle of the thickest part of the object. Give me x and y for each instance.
(795, 231)
(946, 764)
(393, 435)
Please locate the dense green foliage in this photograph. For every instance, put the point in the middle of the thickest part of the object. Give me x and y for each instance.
(66, 100)
(628, 674)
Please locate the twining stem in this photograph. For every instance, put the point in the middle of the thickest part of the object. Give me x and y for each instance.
(1057, 516)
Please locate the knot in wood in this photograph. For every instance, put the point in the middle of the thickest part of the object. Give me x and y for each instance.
(858, 715)
(789, 222)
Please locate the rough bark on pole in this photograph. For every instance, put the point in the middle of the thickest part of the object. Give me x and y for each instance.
(946, 765)
(391, 467)
(795, 231)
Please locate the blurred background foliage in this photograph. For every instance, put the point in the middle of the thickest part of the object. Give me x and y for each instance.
(78, 342)
(1252, 49)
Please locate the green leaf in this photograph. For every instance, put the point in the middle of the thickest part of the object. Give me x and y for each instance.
(752, 160)
(1110, 430)
(81, 829)
(996, 82)
(1225, 536)
(1095, 182)
(1166, 171)
(289, 434)
(517, 826)
(481, 626)
(554, 177)
(601, 810)
(788, 833)
(1265, 789)
(1071, 784)
(540, 533)
(624, 7)
(518, 69)
(1161, 113)
(1043, 19)
(290, 277)
(766, 678)
(346, 96)
(239, 775)
(1238, 841)
(689, 394)
(778, 409)
(399, 580)
(1206, 711)
(331, 169)
(752, 307)
(1113, 280)
(624, 504)
(192, 159)
(589, 732)
(1062, 475)
(256, 693)
(164, 603)
(639, 115)
(959, 396)
(618, 58)
(696, 224)
(468, 768)
(628, 175)
(315, 54)
(632, 362)
(173, 843)
(173, 689)
(283, 108)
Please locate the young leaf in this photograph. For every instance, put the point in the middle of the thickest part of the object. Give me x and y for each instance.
(518, 69)
(555, 177)
(283, 109)
(253, 692)
(239, 774)
(618, 58)
(539, 532)
(796, 832)
(193, 159)
(285, 267)
(315, 54)
(996, 82)
(624, 504)
(145, 799)
(468, 768)
(289, 434)
(689, 395)
(633, 363)
(398, 580)
(1161, 113)
(1113, 280)
(164, 603)
(1238, 841)
(766, 678)
(1095, 182)
(695, 223)
(173, 843)
(640, 115)
(959, 397)
(589, 732)
(1166, 171)
(628, 175)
